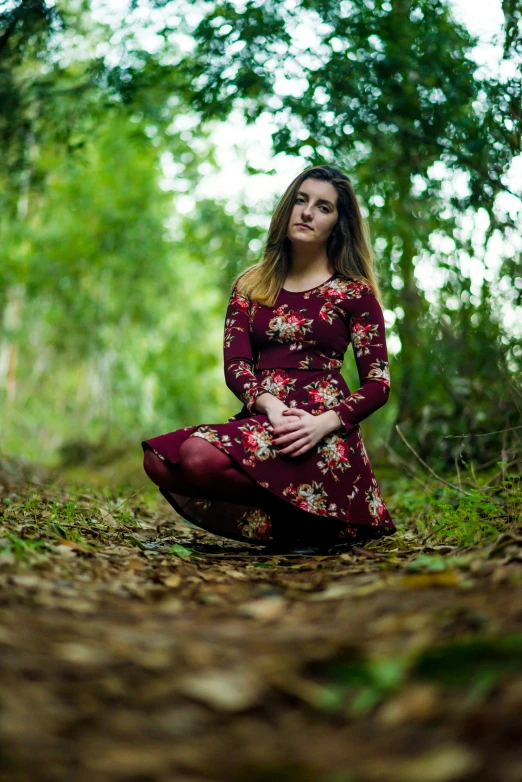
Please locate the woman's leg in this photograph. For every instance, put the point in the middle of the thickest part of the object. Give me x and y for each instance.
(214, 470)
(205, 472)
(172, 478)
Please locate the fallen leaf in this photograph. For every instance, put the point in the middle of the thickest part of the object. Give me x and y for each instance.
(224, 690)
(368, 552)
(264, 610)
(447, 578)
(81, 654)
(338, 591)
(446, 763)
(108, 518)
(181, 551)
(135, 563)
(170, 606)
(172, 580)
(415, 702)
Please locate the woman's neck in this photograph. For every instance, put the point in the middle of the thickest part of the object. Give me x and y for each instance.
(309, 265)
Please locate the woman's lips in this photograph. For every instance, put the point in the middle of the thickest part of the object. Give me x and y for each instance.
(302, 225)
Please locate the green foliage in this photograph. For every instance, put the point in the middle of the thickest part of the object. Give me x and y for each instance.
(435, 564)
(444, 515)
(356, 685)
(112, 296)
(391, 93)
(181, 551)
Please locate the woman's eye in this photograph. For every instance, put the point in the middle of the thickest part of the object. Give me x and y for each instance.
(300, 199)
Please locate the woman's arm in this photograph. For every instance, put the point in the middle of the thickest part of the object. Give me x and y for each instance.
(368, 336)
(238, 356)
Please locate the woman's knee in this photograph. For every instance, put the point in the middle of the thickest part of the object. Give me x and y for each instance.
(201, 461)
(155, 467)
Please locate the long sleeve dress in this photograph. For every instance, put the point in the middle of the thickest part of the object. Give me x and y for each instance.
(294, 350)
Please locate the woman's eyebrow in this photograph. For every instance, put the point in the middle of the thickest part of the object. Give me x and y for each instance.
(319, 200)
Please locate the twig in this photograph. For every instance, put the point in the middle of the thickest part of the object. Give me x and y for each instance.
(459, 456)
(442, 480)
(128, 498)
(402, 462)
(473, 473)
(483, 434)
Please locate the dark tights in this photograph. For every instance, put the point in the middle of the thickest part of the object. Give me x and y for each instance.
(205, 472)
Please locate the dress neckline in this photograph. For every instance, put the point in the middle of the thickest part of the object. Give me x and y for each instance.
(297, 293)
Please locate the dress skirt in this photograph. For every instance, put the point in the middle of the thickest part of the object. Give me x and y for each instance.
(331, 481)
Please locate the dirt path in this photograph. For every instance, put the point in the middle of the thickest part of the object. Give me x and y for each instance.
(124, 656)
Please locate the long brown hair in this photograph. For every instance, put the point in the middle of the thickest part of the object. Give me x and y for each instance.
(348, 248)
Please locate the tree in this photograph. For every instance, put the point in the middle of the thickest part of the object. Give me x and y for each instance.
(391, 93)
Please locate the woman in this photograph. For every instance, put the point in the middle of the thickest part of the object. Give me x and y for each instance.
(290, 469)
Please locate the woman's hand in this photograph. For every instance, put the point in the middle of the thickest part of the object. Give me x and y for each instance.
(273, 408)
(299, 435)
(279, 416)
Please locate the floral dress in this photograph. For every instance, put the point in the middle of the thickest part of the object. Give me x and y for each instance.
(294, 350)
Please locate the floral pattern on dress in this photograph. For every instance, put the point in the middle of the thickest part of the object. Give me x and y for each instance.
(328, 363)
(257, 441)
(329, 311)
(256, 524)
(341, 288)
(240, 302)
(355, 397)
(250, 390)
(312, 498)
(324, 393)
(212, 436)
(290, 326)
(363, 331)
(334, 452)
(361, 447)
(380, 370)
(254, 308)
(230, 327)
(376, 504)
(355, 489)
(278, 383)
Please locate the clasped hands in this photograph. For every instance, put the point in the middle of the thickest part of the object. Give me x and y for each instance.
(297, 430)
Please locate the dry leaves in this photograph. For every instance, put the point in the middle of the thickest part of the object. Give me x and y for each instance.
(126, 654)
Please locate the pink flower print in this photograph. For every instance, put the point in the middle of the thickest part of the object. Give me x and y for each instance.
(278, 383)
(290, 327)
(362, 332)
(240, 303)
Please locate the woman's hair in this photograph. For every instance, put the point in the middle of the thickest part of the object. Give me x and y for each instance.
(348, 247)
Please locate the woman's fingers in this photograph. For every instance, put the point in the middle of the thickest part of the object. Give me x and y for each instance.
(296, 447)
(288, 426)
(288, 436)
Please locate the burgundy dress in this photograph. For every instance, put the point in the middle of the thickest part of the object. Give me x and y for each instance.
(295, 351)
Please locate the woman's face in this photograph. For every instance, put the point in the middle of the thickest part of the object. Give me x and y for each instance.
(314, 213)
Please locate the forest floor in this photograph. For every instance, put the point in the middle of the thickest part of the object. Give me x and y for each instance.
(126, 655)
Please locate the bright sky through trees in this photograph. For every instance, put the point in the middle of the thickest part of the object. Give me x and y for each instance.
(238, 145)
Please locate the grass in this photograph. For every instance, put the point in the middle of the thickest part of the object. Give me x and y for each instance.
(38, 518)
(444, 515)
